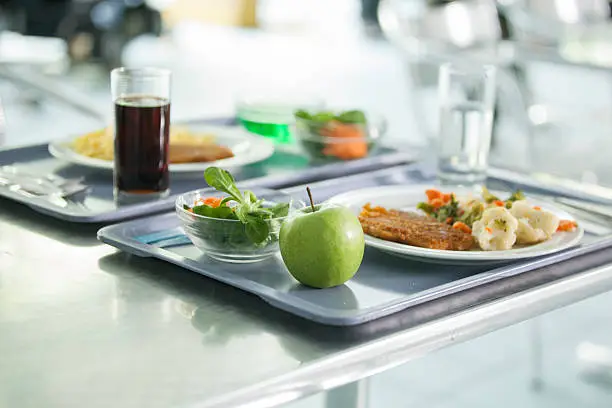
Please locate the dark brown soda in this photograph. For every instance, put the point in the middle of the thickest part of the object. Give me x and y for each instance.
(142, 125)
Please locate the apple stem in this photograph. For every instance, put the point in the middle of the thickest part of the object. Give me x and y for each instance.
(310, 197)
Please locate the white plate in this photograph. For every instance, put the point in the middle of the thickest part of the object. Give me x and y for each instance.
(247, 149)
(406, 198)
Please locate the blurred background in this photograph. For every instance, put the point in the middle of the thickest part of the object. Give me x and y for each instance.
(554, 97)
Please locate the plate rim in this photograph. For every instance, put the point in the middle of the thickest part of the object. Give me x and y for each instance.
(447, 255)
(60, 150)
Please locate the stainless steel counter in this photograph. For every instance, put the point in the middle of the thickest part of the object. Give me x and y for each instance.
(83, 325)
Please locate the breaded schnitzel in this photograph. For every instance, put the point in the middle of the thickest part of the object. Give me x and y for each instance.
(178, 153)
(412, 229)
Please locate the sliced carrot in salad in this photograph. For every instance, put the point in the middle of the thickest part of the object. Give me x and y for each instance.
(209, 201)
(344, 150)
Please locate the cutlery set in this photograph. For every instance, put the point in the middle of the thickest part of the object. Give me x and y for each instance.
(33, 185)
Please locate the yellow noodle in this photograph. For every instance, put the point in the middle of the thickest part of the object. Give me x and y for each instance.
(99, 144)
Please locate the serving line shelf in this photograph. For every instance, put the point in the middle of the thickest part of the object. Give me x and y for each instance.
(385, 284)
(284, 168)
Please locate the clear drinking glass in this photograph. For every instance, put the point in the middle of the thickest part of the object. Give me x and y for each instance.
(466, 100)
(142, 123)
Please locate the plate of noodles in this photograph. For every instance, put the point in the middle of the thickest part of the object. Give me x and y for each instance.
(191, 149)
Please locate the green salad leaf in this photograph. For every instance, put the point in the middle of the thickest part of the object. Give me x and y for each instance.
(222, 211)
(256, 227)
(302, 114)
(321, 118)
(353, 116)
(280, 210)
(222, 180)
(248, 209)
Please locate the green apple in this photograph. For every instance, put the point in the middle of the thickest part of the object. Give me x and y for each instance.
(322, 248)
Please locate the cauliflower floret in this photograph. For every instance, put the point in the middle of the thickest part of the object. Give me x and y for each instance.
(535, 225)
(521, 209)
(526, 234)
(496, 230)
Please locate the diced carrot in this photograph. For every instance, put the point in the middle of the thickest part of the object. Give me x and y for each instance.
(346, 151)
(190, 210)
(213, 201)
(446, 197)
(462, 227)
(436, 203)
(567, 225)
(209, 201)
(499, 203)
(489, 230)
(432, 194)
(537, 208)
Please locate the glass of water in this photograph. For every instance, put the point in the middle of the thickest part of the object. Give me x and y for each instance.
(466, 99)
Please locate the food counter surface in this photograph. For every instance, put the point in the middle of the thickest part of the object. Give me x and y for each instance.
(83, 324)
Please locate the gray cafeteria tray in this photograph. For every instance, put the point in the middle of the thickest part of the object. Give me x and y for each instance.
(98, 205)
(384, 284)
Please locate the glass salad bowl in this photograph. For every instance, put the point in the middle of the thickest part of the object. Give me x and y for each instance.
(339, 135)
(227, 239)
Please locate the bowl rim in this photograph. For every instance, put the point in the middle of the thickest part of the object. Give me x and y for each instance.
(180, 210)
(372, 118)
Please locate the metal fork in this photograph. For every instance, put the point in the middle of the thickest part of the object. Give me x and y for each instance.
(39, 186)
